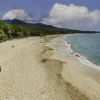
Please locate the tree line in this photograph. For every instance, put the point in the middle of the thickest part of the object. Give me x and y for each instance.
(11, 31)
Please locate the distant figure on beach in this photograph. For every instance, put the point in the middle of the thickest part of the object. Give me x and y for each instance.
(0, 68)
(44, 60)
(77, 55)
(13, 46)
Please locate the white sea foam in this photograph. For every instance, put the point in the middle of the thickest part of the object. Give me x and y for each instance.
(81, 58)
(85, 61)
(68, 47)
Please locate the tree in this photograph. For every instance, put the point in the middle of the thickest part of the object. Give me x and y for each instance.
(3, 36)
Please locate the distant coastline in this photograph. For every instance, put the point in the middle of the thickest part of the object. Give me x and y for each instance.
(12, 29)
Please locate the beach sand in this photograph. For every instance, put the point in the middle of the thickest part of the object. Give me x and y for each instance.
(33, 69)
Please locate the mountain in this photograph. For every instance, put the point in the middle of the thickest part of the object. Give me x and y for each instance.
(31, 25)
(11, 29)
(43, 26)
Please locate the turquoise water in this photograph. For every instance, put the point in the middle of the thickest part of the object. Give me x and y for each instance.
(87, 45)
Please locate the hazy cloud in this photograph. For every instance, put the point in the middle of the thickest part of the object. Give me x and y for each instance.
(17, 14)
(73, 16)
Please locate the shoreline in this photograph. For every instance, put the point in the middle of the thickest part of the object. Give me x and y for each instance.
(81, 58)
(86, 64)
(89, 68)
(35, 68)
(90, 74)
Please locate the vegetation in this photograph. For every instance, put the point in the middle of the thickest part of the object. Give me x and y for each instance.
(21, 29)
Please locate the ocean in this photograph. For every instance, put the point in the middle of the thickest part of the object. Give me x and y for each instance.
(87, 45)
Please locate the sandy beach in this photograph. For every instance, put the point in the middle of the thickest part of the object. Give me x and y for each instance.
(34, 69)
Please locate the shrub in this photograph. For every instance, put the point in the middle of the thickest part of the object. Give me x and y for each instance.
(19, 34)
(3, 36)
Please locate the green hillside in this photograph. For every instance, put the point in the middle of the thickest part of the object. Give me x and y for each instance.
(18, 29)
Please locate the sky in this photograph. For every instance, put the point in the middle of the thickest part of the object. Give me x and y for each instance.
(76, 14)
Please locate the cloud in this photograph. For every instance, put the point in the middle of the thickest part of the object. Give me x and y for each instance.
(73, 16)
(16, 14)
